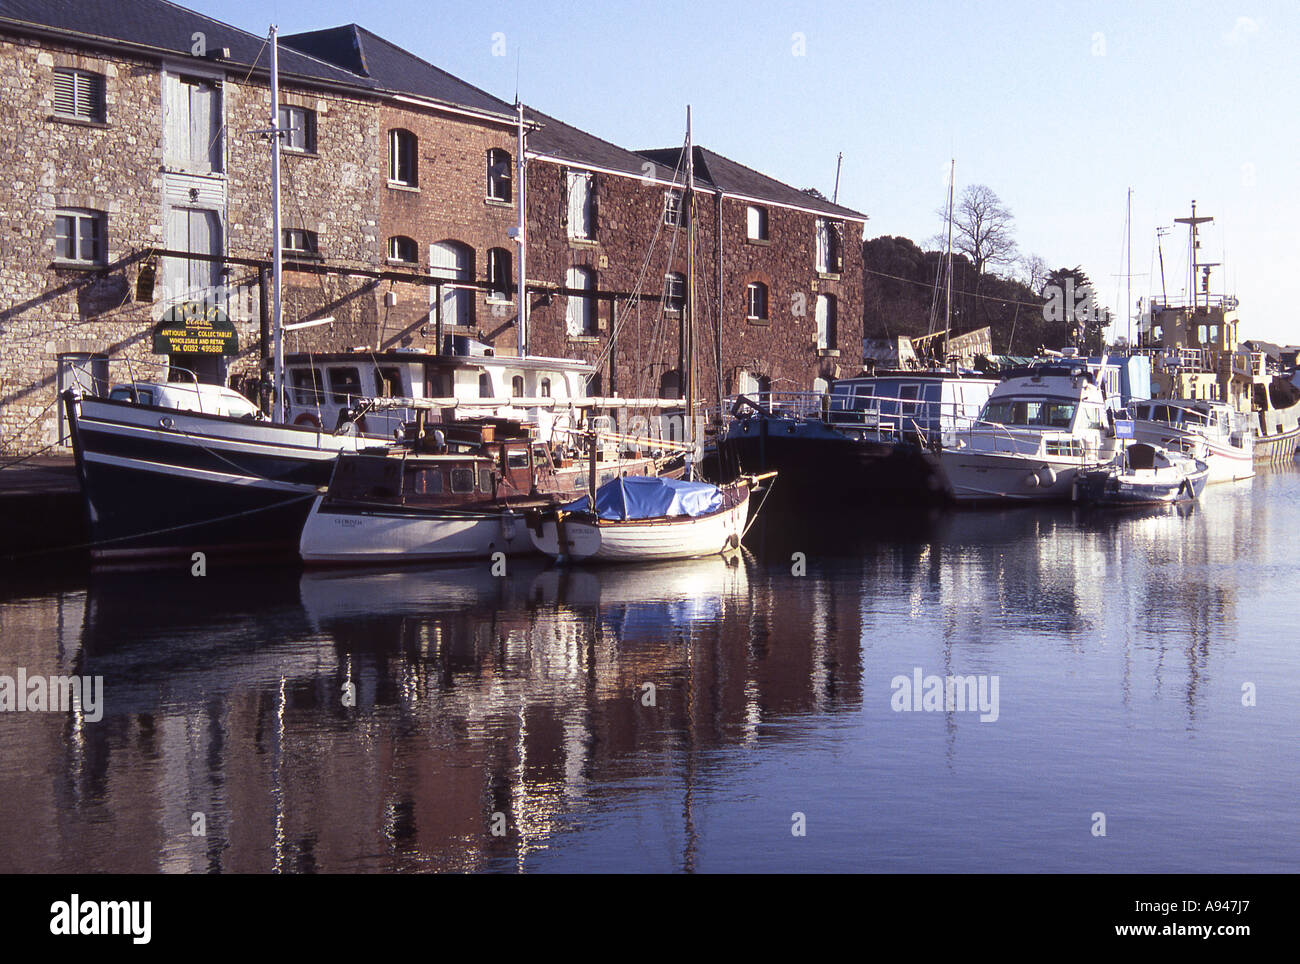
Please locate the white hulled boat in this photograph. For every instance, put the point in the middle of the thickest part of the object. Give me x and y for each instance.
(1038, 431)
(1202, 428)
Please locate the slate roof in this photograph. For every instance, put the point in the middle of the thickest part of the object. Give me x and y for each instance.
(387, 65)
(156, 26)
(730, 177)
(560, 140)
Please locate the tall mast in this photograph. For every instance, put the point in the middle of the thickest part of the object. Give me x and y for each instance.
(276, 254)
(521, 236)
(947, 297)
(689, 207)
(1128, 292)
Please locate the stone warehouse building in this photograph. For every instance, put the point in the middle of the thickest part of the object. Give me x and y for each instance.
(136, 126)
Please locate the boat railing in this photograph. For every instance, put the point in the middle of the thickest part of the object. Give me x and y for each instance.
(886, 418)
(1249, 363)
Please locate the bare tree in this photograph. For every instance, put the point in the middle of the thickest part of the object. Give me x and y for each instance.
(1036, 272)
(981, 229)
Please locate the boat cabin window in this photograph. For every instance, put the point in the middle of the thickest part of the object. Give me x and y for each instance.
(423, 480)
(1093, 417)
(1036, 413)
(485, 481)
(366, 477)
(516, 458)
(517, 386)
(388, 382)
(909, 394)
(344, 383)
(485, 386)
(306, 386)
(546, 388)
(437, 384)
(462, 480)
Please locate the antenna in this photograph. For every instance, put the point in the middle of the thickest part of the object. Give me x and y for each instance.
(835, 198)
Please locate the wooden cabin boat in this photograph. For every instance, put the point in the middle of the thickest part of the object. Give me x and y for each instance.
(462, 495)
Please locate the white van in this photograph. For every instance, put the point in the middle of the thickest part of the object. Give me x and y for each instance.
(207, 399)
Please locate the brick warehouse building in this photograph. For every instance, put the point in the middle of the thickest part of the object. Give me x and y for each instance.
(394, 166)
(600, 218)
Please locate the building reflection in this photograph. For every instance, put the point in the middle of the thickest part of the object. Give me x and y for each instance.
(476, 704)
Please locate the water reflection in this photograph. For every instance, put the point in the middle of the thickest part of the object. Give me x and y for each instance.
(446, 719)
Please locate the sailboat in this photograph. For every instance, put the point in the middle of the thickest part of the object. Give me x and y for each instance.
(656, 518)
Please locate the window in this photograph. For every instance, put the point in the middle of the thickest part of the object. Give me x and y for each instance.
(498, 274)
(485, 386)
(345, 384)
(498, 175)
(403, 249)
(192, 124)
(756, 298)
(674, 210)
(830, 260)
(827, 312)
(306, 386)
(453, 261)
(581, 210)
(756, 223)
(674, 291)
(401, 158)
(78, 93)
(389, 382)
(517, 386)
(299, 241)
(462, 480)
(79, 236)
(299, 123)
(546, 388)
(580, 314)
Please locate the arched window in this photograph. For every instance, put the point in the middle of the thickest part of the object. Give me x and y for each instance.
(498, 175)
(453, 261)
(546, 388)
(756, 301)
(403, 249)
(485, 385)
(499, 274)
(670, 384)
(517, 386)
(402, 145)
(580, 314)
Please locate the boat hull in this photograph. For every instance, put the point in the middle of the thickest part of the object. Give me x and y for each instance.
(160, 482)
(1277, 448)
(865, 472)
(986, 477)
(582, 538)
(350, 535)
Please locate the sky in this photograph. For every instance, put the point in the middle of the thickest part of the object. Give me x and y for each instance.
(1060, 108)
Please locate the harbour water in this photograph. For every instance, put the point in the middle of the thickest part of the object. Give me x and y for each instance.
(1132, 681)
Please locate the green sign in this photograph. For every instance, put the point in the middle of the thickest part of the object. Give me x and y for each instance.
(195, 329)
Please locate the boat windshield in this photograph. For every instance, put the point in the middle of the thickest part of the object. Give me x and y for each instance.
(1032, 412)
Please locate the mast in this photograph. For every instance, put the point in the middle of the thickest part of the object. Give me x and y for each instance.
(1128, 291)
(689, 207)
(947, 297)
(835, 198)
(276, 240)
(1192, 245)
(521, 236)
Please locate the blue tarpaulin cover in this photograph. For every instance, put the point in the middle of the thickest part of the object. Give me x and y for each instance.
(650, 497)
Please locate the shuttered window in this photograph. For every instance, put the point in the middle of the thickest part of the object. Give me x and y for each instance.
(581, 207)
(827, 323)
(79, 237)
(79, 93)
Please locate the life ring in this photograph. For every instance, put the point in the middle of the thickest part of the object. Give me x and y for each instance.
(307, 419)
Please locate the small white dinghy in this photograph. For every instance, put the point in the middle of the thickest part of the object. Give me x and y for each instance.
(1145, 475)
(638, 519)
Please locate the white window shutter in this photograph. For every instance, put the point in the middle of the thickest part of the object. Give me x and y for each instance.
(65, 94)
